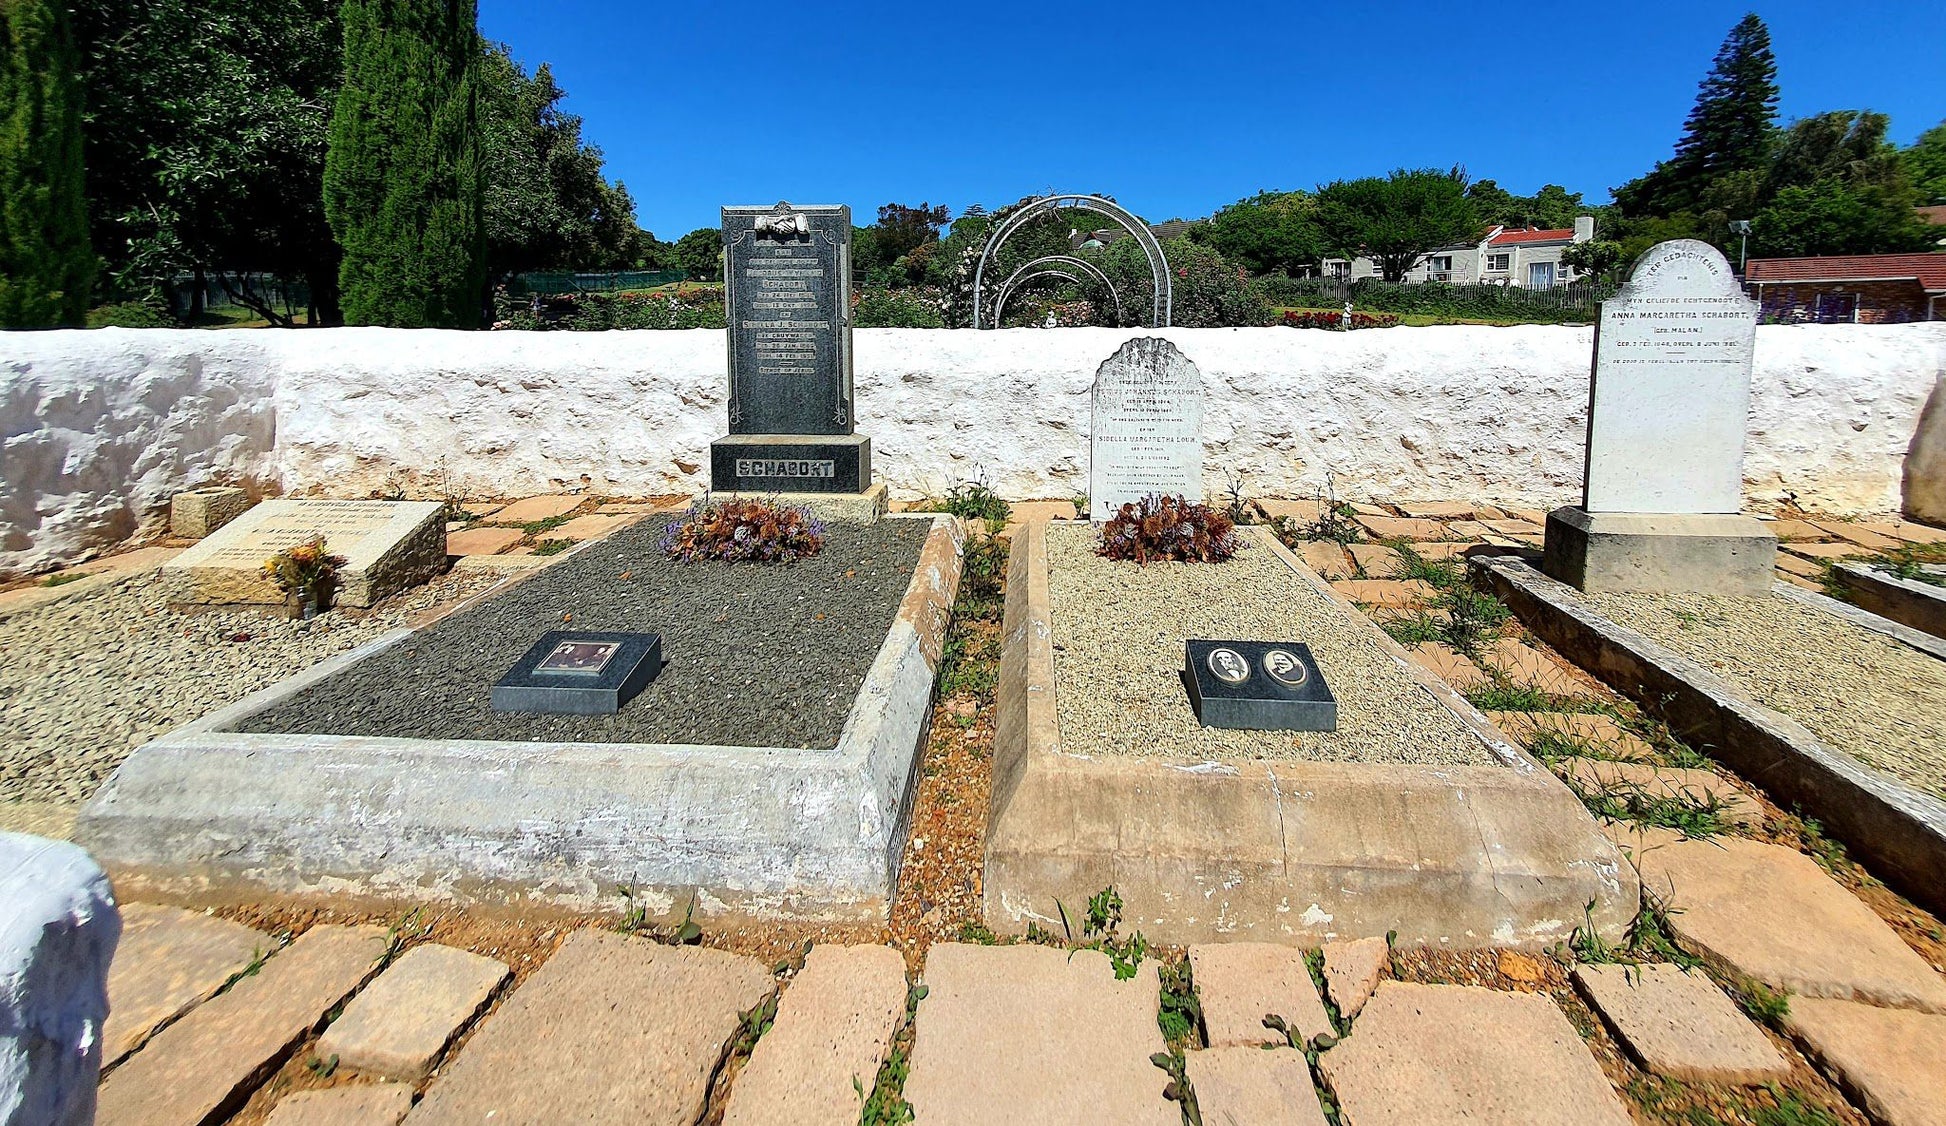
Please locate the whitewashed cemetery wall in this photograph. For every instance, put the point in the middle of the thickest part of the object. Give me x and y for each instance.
(102, 426)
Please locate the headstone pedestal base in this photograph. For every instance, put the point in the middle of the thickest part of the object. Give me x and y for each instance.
(790, 463)
(1658, 552)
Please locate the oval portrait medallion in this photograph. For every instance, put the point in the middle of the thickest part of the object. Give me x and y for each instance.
(1228, 666)
(1284, 668)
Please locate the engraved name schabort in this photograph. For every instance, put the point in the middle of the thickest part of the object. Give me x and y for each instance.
(787, 279)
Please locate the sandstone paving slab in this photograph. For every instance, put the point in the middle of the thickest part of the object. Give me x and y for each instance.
(1798, 567)
(1857, 534)
(1389, 593)
(1040, 511)
(1239, 983)
(370, 1104)
(405, 1018)
(593, 526)
(1905, 530)
(1514, 527)
(1034, 1036)
(1326, 557)
(1806, 584)
(530, 509)
(1253, 1087)
(1298, 511)
(1825, 551)
(1402, 527)
(1377, 560)
(611, 1028)
(1694, 787)
(208, 1062)
(1429, 1055)
(168, 961)
(1772, 913)
(1439, 509)
(1787, 529)
(482, 541)
(1440, 550)
(1892, 1061)
(1600, 732)
(1524, 665)
(1677, 1023)
(1352, 971)
(1366, 508)
(1451, 667)
(834, 1026)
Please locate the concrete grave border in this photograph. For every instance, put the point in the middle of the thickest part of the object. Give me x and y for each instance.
(220, 815)
(1897, 829)
(1921, 606)
(1281, 851)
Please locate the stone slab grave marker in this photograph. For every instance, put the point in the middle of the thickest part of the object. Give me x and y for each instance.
(1668, 411)
(787, 289)
(388, 546)
(1146, 434)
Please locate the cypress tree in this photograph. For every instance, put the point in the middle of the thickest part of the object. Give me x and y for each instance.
(403, 187)
(1729, 130)
(47, 268)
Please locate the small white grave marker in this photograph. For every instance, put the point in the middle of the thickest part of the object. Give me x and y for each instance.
(1670, 403)
(1146, 436)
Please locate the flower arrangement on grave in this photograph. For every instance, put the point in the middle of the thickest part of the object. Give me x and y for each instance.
(1168, 528)
(738, 531)
(306, 573)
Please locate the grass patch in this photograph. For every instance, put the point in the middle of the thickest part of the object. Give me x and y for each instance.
(1503, 695)
(64, 578)
(1638, 805)
(536, 527)
(552, 547)
(970, 500)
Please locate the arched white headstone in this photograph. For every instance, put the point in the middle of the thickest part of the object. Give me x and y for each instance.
(1147, 430)
(1669, 404)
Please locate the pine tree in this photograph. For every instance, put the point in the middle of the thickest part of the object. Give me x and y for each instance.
(1729, 130)
(403, 186)
(46, 266)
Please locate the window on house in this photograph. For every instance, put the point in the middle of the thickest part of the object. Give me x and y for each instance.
(1441, 263)
(1499, 261)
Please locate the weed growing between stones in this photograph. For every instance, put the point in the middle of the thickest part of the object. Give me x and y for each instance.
(64, 578)
(1760, 1003)
(1098, 926)
(547, 524)
(635, 920)
(552, 547)
(1461, 617)
(1503, 695)
(1168, 528)
(886, 1105)
(1180, 1013)
(1178, 1090)
(1670, 1100)
(1314, 963)
(1694, 816)
(1318, 1044)
(971, 500)
(413, 927)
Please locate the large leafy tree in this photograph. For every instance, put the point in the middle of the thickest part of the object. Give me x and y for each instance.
(206, 133)
(1729, 130)
(700, 252)
(547, 203)
(1269, 233)
(1553, 207)
(1925, 161)
(403, 179)
(1837, 186)
(1397, 219)
(46, 266)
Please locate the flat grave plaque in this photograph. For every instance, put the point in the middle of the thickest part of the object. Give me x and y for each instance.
(388, 546)
(580, 673)
(1258, 686)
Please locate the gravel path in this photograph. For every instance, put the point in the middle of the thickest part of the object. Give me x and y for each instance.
(1880, 701)
(93, 676)
(1118, 636)
(758, 656)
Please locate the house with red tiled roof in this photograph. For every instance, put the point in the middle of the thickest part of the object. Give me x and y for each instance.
(1524, 257)
(1849, 288)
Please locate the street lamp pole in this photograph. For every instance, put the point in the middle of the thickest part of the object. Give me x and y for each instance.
(1742, 227)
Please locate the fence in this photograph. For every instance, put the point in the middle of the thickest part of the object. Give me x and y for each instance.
(1578, 302)
(549, 284)
(223, 290)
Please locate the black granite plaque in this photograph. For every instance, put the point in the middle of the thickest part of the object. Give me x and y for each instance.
(788, 463)
(787, 285)
(569, 673)
(1257, 686)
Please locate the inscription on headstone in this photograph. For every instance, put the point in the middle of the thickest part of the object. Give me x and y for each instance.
(787, 277)
(387, 545)
(1670, 401)
(787, 288)
(1146, 436)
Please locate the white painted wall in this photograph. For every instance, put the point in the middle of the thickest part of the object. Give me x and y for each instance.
(102, 426)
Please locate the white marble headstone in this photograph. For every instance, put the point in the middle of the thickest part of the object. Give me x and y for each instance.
(1146, 436)
(1670, 403)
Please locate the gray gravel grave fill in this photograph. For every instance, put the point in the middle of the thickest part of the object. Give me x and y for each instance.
(760, 655)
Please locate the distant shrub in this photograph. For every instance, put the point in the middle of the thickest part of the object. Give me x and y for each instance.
(698, 306)
(896, 308)
(1168, 528)
(131, 314)
(1296, 318)
(736, 531)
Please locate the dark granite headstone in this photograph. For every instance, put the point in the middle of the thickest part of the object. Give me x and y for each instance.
(570, 673)
(787, 286)
(1258, 686)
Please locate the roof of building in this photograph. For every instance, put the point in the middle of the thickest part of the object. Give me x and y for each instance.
(1522, 238)
(1936, 214)
(1929, 270)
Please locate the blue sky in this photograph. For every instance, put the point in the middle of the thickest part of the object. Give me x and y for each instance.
(1174, 109)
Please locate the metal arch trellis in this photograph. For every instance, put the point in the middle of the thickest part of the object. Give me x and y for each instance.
(1022, 276)
(1158, 265)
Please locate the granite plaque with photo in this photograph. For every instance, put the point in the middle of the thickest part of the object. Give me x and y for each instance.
(580, 673)
(1257, 686)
